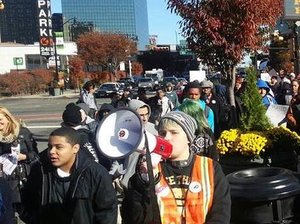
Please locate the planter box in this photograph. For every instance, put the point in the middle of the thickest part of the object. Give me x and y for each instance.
(234, 162)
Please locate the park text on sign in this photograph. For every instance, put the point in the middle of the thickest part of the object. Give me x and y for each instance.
(291, 9)
(45, 28)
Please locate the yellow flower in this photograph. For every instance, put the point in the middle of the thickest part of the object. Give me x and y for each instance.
(226, 142)
(282, 138)
(251, 143)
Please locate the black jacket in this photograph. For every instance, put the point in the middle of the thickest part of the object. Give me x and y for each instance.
(28, 146)
(90, 199)
(216, 105)
(137, 209)
(6, 203)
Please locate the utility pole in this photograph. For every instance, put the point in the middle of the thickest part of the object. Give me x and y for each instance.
(55, 56)
(55, 50)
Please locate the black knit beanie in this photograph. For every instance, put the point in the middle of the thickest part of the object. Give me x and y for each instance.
(185, 121)
(72, 115)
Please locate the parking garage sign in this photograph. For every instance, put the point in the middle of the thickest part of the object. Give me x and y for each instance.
(45, 28)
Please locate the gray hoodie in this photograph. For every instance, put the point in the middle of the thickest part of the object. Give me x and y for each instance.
(135, 104)
(131, 160)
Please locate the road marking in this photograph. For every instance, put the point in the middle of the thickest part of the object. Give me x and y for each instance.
(50, 126)
(37, 117)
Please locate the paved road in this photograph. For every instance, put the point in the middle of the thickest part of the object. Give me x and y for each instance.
(41, 115)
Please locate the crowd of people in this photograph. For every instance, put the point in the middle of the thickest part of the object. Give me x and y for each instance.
(281, 89)
(73, 182)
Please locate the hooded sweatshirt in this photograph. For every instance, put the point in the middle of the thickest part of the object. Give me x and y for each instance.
(130, 162)
(268, 99)
(135, 105)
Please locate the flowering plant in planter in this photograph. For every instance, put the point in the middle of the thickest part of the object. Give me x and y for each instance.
(281, 138)
(249, 144)
(258, 143)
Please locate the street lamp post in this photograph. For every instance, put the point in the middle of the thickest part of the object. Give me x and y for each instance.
(68, 29)
(55, 50)
(55, 57)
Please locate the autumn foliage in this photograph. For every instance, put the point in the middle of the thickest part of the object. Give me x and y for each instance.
(76, 65)
(105, 49)
(220, 31)
(26, 82)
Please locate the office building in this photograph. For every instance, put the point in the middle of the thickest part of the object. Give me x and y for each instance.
(19, 21)
(129, 17)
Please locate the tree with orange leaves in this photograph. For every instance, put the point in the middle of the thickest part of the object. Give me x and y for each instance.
(105, 49)
(76, 65)
(220, 31)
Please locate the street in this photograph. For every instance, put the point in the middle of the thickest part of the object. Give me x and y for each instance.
(41, 115)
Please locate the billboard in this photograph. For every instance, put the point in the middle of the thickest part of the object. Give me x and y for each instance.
(45, 28)
(291, 10)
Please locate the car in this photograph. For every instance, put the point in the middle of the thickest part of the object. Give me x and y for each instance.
(107, 88)
(147, 83)
(127, 81)
(172, 80)
(183, 80)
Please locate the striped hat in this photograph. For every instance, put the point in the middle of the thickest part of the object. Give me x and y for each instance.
(185, 121)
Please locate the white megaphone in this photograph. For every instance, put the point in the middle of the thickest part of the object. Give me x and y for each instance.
(121, 133)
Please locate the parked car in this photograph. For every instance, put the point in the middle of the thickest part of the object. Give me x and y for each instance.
(172, 80)
(127, 81)
(107, 88)
(183, 80)
(147, 83)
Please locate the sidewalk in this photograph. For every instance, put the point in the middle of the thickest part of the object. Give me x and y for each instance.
(70, 93)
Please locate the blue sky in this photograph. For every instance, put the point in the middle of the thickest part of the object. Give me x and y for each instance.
(161, 21)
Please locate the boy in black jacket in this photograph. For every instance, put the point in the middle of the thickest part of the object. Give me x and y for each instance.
(67, 186)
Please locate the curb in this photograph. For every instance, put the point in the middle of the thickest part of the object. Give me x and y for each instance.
(43, 96)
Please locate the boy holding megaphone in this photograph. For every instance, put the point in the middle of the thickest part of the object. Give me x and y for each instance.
(186, 188)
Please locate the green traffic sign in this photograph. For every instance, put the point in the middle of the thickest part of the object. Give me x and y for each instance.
(18, 61)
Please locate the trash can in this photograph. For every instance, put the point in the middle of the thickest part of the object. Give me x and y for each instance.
(54, 91)
(51, 91)
(263, 195)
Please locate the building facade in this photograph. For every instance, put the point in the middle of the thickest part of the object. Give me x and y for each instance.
(18, 57)
(129, 17)
(19, 21)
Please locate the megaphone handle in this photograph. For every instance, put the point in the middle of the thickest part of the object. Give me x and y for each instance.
(153, 198)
